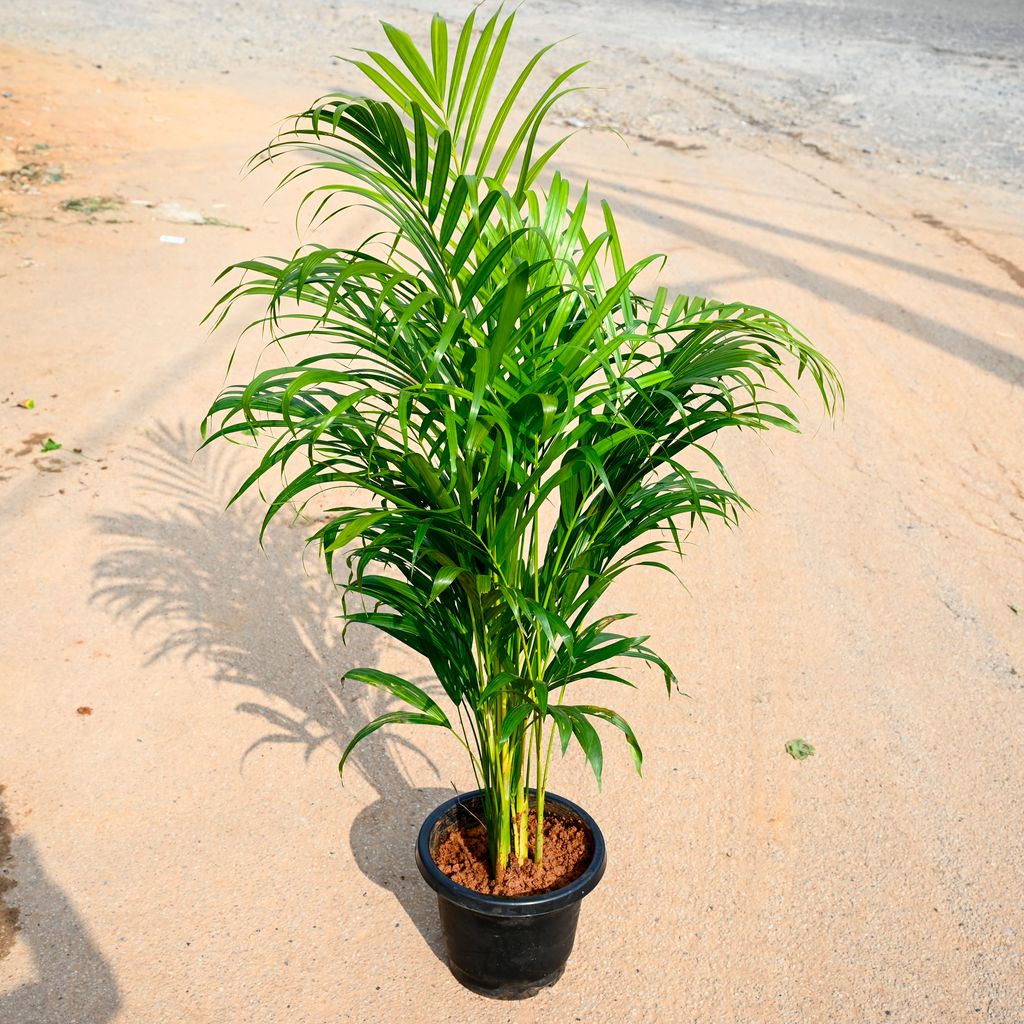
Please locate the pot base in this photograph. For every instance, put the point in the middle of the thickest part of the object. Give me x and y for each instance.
(508, 990)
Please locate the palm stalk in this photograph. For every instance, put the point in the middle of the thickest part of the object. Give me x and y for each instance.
(506, 424)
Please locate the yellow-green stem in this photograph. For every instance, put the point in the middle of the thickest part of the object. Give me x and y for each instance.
(538, 843)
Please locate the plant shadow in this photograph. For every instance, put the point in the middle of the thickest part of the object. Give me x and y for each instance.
(651, 208)
(382, 840)
(193, 583)
(73, 980)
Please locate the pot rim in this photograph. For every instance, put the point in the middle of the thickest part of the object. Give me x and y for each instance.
(510, 906)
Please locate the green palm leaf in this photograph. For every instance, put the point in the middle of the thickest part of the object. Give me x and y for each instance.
(507, 424)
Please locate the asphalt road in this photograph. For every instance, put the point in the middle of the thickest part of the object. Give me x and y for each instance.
(935, 84)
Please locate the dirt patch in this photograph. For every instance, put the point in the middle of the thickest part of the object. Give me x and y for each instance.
(24, 177)
(89, 205)
(671, 142)
(8, 915)
(32, 443)
(568, 848)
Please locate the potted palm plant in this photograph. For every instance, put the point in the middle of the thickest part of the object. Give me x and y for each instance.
(507, 426)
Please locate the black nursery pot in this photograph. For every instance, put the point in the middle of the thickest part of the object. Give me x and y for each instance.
(506, 947)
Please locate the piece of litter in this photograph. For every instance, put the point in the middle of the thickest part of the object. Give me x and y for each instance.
(178, 214)
(141, 202)
(49, 445)
(172, 239)
(83, 710)
(27, 404)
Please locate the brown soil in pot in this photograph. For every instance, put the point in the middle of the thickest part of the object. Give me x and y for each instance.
(462, 856)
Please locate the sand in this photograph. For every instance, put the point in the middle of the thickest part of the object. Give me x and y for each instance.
(186, 852)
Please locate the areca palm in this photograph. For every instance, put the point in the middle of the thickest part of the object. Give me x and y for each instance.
(507, 424)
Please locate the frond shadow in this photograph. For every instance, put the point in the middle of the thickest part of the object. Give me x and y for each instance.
(192, 582)
(1001, 362)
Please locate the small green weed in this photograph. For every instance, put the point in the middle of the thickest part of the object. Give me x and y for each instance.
(800, 750)
(91, 204)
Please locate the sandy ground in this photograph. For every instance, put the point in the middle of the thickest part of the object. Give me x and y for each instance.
(186, 853)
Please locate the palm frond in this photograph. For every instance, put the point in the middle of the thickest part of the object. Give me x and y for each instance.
(475, 364)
